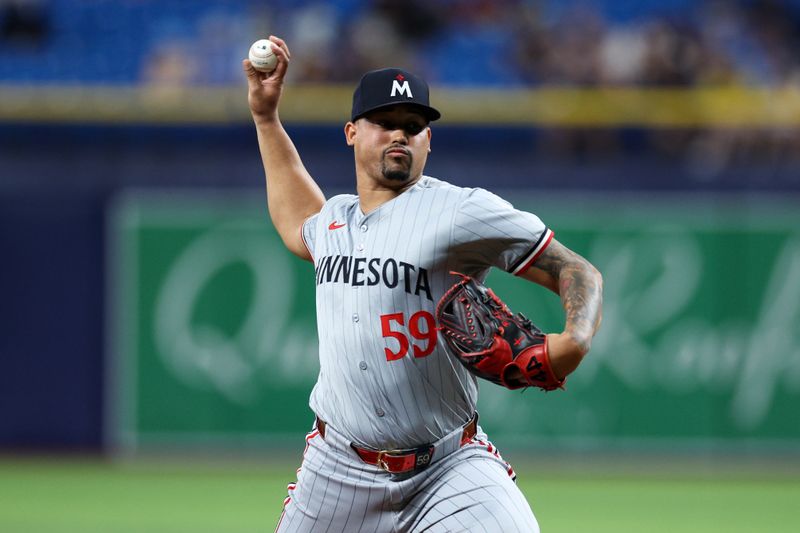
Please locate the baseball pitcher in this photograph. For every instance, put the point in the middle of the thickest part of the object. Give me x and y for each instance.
(406, 326)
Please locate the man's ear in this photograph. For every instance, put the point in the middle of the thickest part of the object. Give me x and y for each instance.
(429, 138)
(350, 133)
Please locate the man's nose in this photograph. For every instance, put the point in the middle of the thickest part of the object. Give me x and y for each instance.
(399, 135)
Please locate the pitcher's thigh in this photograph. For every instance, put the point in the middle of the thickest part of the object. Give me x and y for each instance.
(475, 494)
(330, 496)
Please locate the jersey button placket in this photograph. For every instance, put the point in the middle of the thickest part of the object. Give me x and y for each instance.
(380, 412)
(360, 247)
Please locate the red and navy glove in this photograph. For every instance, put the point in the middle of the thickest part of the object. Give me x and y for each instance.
(491, 341)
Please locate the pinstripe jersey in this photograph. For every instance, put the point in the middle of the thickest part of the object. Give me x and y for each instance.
(387, 380)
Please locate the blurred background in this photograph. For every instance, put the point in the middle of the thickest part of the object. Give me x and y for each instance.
(156, 340)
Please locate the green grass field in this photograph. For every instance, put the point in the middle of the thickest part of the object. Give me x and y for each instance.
(91, 496)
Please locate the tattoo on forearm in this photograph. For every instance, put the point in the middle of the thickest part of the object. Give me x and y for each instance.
(580, 288)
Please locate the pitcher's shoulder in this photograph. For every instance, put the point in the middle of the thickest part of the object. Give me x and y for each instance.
(340, 203)
(431, 184)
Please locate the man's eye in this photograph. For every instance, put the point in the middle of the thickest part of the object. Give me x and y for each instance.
(413, 128)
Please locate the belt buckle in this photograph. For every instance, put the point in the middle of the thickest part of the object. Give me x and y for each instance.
(381, 463)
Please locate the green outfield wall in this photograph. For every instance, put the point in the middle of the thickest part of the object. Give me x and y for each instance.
(213, 334)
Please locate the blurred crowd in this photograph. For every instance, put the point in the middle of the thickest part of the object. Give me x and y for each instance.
(480, 43)
(504, 42)
(518, 42)
(453, 42)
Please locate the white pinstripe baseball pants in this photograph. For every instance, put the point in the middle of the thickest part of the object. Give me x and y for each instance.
(466, 489)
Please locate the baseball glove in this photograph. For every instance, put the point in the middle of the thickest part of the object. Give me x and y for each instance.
(491, 341)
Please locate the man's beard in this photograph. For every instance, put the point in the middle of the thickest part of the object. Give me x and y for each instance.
(398, 173)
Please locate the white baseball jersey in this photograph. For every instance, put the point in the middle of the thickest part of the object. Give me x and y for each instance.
(387, 380)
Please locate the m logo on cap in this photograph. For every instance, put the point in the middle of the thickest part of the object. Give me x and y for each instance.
(373, 93)
(402, 89)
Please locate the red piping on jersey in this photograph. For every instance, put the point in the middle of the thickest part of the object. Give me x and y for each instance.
(292, 486)
(494, 451)
(283, 513)
(308, 440)
(536, 255)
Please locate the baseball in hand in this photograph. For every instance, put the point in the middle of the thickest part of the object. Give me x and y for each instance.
(262, 57)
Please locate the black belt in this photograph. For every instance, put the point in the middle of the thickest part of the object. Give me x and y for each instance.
(407, 460)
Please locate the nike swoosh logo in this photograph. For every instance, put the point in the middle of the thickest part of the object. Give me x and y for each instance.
(334, 225)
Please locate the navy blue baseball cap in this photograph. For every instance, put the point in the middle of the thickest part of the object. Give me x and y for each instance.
(391, 86)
